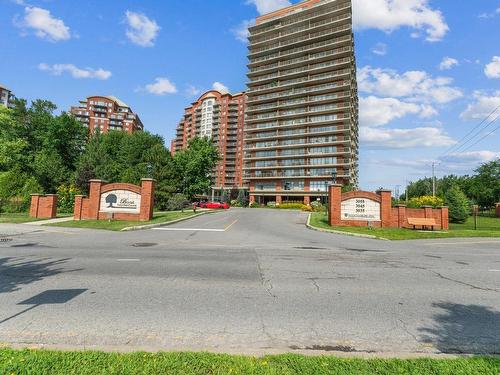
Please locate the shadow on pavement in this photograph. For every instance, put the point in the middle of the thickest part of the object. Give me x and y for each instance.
(15, 272)
(464, 329)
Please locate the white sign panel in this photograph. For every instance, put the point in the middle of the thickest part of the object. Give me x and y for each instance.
(360, 209)
(120, 201)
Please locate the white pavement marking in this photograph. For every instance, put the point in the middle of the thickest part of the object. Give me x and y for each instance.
(494, 270)
(190, 229)
(128, 260)
(460, 243)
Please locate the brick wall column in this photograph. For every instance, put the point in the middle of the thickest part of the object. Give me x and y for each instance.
(251, 199)
(444, 218)
(385, 207)
(497, 210)
(279, 200)
(401, 215)
(307, 200)
(35, 203)
(334, 202)
(51, 202)
(427, 211)
(147, 199)
(95, 198)
(77, 213)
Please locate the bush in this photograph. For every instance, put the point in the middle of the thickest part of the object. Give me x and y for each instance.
(271, 204)
(426, 200)
(458, 205)
(254, 205)
(317, 206)
(235, 203)
(307, 208)
(15, 191)
(291, 206)
(177, 202)
(66, 197)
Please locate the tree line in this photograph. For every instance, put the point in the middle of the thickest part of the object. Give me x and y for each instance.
(41, 152)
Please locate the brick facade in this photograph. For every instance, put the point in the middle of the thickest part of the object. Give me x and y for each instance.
(390, 217)
(497, 210)
(90, 208)
(43, 206)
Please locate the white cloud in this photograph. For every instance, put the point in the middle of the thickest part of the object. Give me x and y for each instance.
(44, 24)
(220, 87)
(483, 106)
(447, 63)
(192, 90)
(417, 86)
(141, 30)
(241, 31)
(492, 70)
(469, 159)
(491, 14)
(404, 138)
(390, 15)
(266, 6)
(75, 72)
(380, 49)
(161, 86)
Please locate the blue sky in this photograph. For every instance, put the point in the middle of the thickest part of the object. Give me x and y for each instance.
(428, 70)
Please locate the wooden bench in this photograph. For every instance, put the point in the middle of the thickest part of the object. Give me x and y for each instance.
(422, 222)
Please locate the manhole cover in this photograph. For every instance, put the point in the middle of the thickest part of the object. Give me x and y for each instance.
(144, 244)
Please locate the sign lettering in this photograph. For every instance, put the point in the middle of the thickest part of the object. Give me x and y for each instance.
(360, 209)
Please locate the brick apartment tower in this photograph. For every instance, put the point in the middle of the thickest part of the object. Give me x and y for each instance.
(221, 117)
(107, 113)
(302, 107)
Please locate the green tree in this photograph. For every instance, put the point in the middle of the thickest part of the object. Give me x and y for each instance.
(458, 205)
(485, 185)
(194, 166)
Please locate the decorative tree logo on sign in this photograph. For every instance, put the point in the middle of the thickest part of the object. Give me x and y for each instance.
(111, 199)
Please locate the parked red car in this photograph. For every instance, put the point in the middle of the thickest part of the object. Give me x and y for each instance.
(214, 205)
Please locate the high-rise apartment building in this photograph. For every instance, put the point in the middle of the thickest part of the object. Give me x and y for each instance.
(221, 117)
(107, 113)
(301, 128)
(6, 96)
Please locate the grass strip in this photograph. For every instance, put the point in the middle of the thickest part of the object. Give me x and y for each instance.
(41, 362)
(487, 227)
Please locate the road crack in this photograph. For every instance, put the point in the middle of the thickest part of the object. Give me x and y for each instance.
(265, 282)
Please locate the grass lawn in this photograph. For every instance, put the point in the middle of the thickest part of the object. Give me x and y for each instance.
(19, 218)
(117, 225)
(487, 227)
(63, 363)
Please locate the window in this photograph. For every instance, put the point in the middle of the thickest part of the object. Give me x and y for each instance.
(293, 185)
(322, 161)
(265, 187)
(319, 185)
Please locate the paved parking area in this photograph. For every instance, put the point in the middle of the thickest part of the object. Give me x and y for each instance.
(247, 281)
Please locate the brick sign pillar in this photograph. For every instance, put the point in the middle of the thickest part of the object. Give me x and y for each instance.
(497, 210)
(43, 206)
(335, 203)
(147, 199)
(444, 218)
(94, 194)
(401, 215)
(385, 207)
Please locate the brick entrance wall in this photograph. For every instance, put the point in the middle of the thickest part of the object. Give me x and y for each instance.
(89, 208)
(43, 206)
(390, 217)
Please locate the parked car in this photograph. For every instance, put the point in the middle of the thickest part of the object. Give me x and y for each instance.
(215, 205)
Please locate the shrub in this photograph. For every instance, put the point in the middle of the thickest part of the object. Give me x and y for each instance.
(291, 206)
(458, 205)
(307, 208)
(15, 191)
(235, 203)
(66, 197)
(254, 205)
(317, 206)
(426, 200)
(271, 204)
(177, 202)
(241, 198)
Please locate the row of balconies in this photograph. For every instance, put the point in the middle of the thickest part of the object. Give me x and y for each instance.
(340, 151)
(327, 108)
(303, 164)
(297, 30)
(256, 63)
(310, 68)
(287, 22)
(304, 174)
(306, 38)
(284, 145)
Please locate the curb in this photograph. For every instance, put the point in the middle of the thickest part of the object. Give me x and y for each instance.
(150, 226)
(309, 226)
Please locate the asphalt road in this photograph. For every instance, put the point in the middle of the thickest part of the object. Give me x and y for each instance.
(247, 281)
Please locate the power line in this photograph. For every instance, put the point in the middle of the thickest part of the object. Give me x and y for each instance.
(486, 127)
(458, 144)
(486, 136)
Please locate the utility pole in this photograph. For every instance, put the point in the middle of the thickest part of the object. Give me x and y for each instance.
(396, 191)
(406, 191)
(433, 179)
